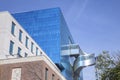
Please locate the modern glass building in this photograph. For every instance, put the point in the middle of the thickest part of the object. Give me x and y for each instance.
(49, 29)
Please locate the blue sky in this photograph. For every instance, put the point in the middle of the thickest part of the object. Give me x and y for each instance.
(94, 24)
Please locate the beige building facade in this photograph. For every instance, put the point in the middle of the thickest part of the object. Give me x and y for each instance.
(20, 56)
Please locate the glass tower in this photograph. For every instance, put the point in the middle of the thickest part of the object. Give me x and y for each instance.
(49, 29)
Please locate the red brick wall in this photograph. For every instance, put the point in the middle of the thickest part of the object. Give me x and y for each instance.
(29, 71)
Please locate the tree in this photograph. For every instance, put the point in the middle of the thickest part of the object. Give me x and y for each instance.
(114, 72)
(103, 62)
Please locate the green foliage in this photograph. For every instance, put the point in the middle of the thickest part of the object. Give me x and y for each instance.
(103, 62)
(112, 73)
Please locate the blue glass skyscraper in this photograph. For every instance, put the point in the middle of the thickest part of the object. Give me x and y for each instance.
(49, 29)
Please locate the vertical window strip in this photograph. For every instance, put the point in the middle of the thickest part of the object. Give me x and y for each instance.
(11, 47)
(46, 74)
(26, 54)
(32, 47)
(13, 28)
(53, 76)
(19, 52)
(36, 51)
(20, 35)
(40, 52)
(26, 42)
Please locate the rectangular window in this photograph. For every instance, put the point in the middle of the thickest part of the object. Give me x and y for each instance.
(16, 74)
(11, 47)
(19, 52)
(32, 47)
(13, 29)
(53, 76)
(26, 54)
(26, 42)
(46, 74)
(20, 35)
(40, 52)
(36, 51)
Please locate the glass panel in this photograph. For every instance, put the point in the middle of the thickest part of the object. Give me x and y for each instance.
(19, 52)
(20, 35)
(11, 47)
(36, 51)
(32, 47)
(47, 27)
(13, 28)
(26, 54)
(44, 27)
(46, 74)
(26, 42)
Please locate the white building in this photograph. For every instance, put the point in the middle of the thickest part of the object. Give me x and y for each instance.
(16, 44)
(15, 41)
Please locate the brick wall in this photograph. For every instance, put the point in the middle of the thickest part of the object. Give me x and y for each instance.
(29, 71)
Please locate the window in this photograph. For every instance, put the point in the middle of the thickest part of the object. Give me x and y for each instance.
(40, 52)
(16, 74)
(20, 35)
(46, 74)
(53, 76)
(26, 42)
(13, 28)
(11, 47)
(26, 54)
(32, 47)
(36, 51)
(19, 52)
